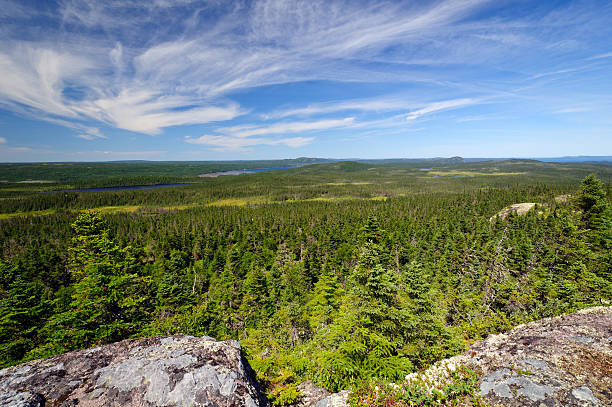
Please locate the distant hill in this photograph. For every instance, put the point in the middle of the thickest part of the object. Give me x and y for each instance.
(567, 159)
(336, 167)
(578, 159)
(436, 160)
(319, 160)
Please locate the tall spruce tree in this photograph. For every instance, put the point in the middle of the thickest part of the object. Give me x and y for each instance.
(108, 300)
(325, 301)
(366, 339)
(428, 339)
(596, 211)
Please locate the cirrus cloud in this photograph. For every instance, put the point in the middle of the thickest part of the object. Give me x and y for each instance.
(224, 143)
(239, 137)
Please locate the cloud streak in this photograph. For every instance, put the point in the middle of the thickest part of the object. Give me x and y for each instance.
(229, 143)
(439, 106)
(239, 137)
(376, 105)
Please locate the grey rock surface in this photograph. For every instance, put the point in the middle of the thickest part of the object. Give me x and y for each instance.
(562, 361)
(334, 400)
(310, 394)
(179, 371)
(583, 393)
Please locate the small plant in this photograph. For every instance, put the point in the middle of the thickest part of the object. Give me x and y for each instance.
(283, 395)
(452, 388)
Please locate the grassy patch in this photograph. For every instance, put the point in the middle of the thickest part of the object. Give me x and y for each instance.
(458, 173)
(348, 183)
(27, 214)
(115, 209)
(107, 210)
(252, 200)
(342, 198)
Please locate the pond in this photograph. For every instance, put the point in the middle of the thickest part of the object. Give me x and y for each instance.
(244, 171)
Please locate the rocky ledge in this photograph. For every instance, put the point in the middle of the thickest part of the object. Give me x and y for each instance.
(565, 361)
(161, 371)
(561, 361)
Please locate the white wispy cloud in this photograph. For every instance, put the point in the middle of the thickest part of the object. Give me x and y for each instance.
(19, 149)
(478, 118)
(224, 143)
(147, 112)
(238, 137)
(284, 128)
(601, 56)
(379, 105)
(576, 109)
(36, 77)
(438, 106)
(86, 137)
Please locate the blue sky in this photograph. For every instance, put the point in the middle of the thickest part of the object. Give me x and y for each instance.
(93, 80)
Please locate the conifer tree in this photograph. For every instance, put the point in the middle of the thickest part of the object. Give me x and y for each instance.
(324, 304)
(22, 311)
(255, 303)
(428, 339)
(366, 339)
(107, 301)
(596, 210)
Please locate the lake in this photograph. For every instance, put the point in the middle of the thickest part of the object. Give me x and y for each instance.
(208, 175)
(244, 171)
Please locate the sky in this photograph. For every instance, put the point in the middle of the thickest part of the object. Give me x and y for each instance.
(92, 80)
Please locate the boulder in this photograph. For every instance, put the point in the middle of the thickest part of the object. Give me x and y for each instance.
(161, 371)
(310, 394)
(335, 400)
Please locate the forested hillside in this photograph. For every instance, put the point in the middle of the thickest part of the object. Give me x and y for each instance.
(340, 273)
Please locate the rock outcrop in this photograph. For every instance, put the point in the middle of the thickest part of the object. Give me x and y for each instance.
(161, 371)
(565, 361)
(519, 209)
(312, 395)
(562, 361)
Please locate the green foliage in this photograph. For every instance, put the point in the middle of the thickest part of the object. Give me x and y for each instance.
(108, 300)
(428, 338)
(366, 338)
(460, 388)
(283, 395)
(22, 312)
(596, 210)
(325, 301)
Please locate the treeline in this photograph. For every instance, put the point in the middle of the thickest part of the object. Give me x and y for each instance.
(89, 173)
(339, 292)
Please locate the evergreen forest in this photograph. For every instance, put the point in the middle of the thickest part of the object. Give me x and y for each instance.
(343, 273)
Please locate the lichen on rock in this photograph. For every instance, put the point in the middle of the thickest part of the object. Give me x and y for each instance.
(561, 361)
(163, 371)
